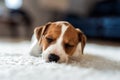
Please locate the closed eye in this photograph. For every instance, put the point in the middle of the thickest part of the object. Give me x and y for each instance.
(68, 46)
(49, 40)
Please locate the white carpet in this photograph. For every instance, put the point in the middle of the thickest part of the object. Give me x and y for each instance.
(99, 63)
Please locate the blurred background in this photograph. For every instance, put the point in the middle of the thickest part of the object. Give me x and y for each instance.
(98, 19)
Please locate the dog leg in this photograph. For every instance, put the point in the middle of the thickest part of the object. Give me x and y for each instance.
(35, 49)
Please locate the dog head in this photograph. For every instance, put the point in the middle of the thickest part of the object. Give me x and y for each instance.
(59, 41)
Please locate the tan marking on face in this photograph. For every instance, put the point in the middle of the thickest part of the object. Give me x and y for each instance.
(62, 39)
(70, 40)
(53, 32)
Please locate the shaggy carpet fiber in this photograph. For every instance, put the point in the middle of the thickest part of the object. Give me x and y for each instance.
(100, 62)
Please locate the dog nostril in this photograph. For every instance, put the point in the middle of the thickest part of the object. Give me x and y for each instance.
(53, 58)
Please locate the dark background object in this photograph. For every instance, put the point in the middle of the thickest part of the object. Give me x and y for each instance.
(103, 22)
(19, 16)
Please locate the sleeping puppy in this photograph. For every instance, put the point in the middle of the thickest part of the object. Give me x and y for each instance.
(57, 41)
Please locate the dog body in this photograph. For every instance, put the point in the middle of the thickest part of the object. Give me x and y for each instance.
(57, 41)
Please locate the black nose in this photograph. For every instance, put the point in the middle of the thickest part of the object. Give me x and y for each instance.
(53, 58)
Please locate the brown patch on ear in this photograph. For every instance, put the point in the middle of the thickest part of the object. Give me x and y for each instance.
(39, 31)
(82, 38)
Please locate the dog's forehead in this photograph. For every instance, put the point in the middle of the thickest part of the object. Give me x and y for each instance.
(55, 29)
(60, 24)
(71, 35)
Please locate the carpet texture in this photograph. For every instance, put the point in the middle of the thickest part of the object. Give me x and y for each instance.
(100, 62)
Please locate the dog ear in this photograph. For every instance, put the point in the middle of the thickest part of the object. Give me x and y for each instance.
(82, 39)
(39, 31)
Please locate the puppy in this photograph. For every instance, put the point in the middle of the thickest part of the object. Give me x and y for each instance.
(57, 41)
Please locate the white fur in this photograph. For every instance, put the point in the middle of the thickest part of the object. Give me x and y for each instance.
(57, 48)
(61, 22)
(35, 48)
